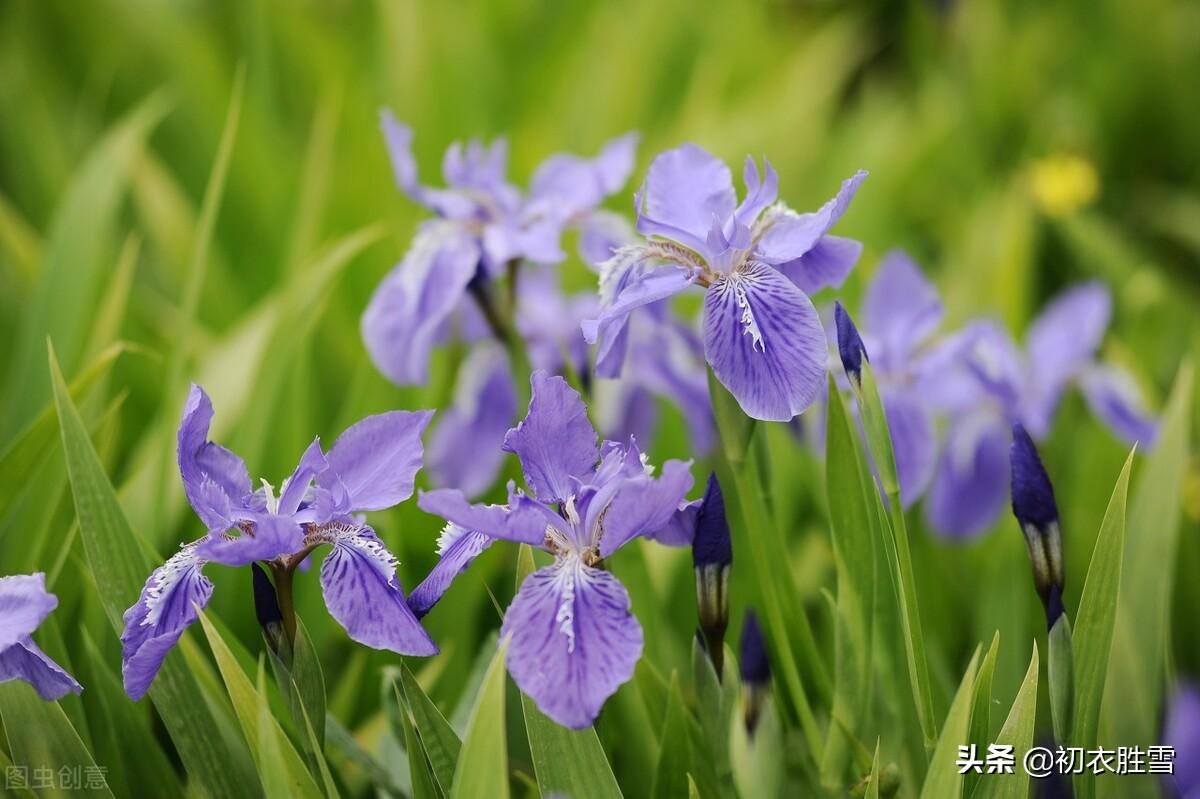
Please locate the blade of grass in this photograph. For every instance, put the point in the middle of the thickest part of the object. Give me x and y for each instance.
(120, 565)
(1093, 629)
(482, 770)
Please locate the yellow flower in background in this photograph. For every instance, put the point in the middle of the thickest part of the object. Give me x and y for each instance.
(1063, 183)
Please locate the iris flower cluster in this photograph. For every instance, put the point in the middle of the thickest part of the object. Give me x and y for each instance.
(483, 272)
(952, 398)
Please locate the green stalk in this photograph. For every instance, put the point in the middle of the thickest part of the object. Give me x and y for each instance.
(741, 474)
(879, 440)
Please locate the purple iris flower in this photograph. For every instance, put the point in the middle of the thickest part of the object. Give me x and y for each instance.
(999, 384)
(24, 604)
(757, 260)
(573, 638)
(483, 223)
(370, 467)
(1183, 734)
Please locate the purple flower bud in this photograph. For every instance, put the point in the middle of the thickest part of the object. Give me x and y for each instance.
(1033, 505)
(850, 344)
(712, 555)
(1032, 494)
(712, 546)
(756, 671)
(266, 608)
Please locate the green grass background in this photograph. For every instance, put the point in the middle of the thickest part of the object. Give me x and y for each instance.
(111, 117)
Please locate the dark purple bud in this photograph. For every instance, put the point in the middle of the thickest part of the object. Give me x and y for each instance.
(850, 344)
(756, 672)
(712, 545)
(756, 667)
(712, 555)
(1037, 514)
(1032, 494)
(266, 608)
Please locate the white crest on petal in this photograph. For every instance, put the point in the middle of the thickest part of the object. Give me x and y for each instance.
(565, 617)
(358, 537)
(749, 323)
(451, 534)
(166, 577)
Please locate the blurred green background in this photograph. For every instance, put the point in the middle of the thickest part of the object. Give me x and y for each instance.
(1014, 148)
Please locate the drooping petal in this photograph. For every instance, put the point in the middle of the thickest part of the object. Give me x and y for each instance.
(24, 604)
(25, 661)
(464, 446)
(362, 592)
(267, 537)
(457, 549)
(913, 442)
(970, 483)
(166, 608)
(416, 298)
(901, 309)
(787, 235)
(555, 441)
(375, 461)
(826, 265)
(215, 480)
(640, 288)
(764, 342)
(573, 640)
(640, 505)
(312, 463)
(1065, 336)
(522, 519)
(1114, 397)
(685, 188)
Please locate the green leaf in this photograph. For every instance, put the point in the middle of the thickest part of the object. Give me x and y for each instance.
(1093, 634)
(716, 700)
(981, 712)
(302, 686)
(1136, 670)
(850, 493)
(1060, 676)
(482, 771)
(758, 760)
(674, 756)
(1017, 732)
(280, 767)
(943, 781)
(120, 566)
(132, 742)
(423, 785)
(24, 452)
(904, 578)
(565, 762)
(75, 259)
(872, 791)
(438, 737)
(40, 735)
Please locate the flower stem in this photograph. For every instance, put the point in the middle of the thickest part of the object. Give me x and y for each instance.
(286, 597)
(741, 472)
